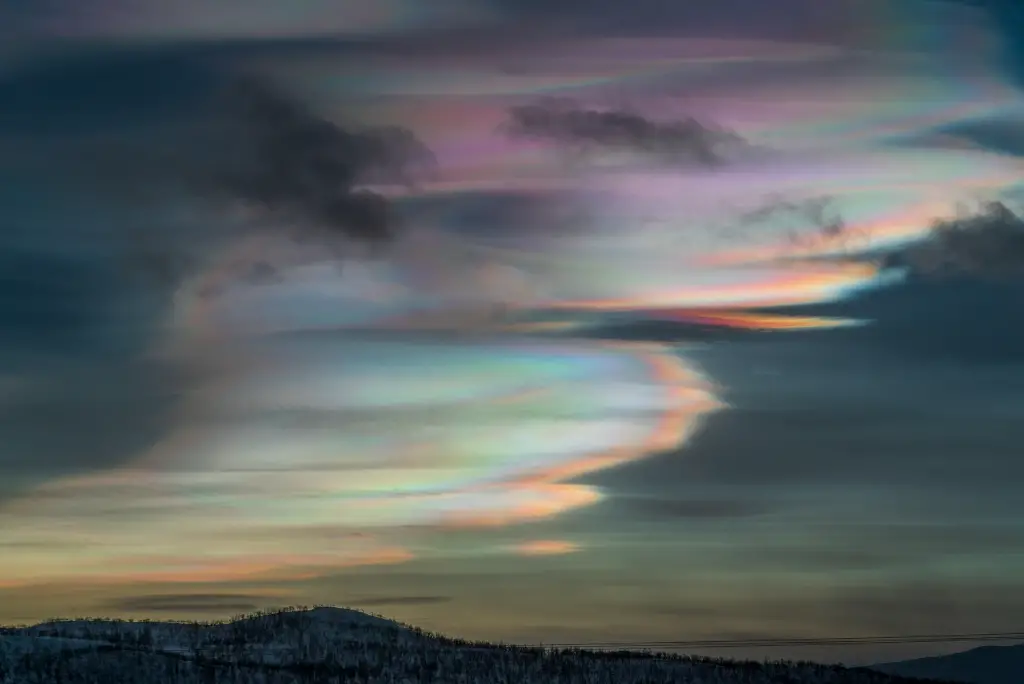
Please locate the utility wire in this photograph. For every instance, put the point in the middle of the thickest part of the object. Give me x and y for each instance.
(807, 641)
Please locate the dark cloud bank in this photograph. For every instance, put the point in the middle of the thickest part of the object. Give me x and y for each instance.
(121, 171)
(882, 461)
(988, 243)
(960, 300)
(188, 123)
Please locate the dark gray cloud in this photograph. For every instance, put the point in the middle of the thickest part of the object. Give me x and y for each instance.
(828, 419)
(72, 417)
(295, 161)
(924, 605)
(973, 321)
(908, 418)
(1000, 134)
(860, 549)
(863, 605)
(159, 125)
(888, 459)
(986, 243)
(1007, 18)
(664, 507)
(189, 603)
(378, 601)
(151, 20)
(507, 218)
(119, 163)
(120, 172)
(686, 141)
(788, 19)
(262, 273)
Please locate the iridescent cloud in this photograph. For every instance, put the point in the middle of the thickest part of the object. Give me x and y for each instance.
(546, 547)
(387, 434)
(375, 403)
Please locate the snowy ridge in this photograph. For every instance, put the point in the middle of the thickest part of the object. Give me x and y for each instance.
(328, 645)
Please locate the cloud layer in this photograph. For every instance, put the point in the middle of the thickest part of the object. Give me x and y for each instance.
(221, 286)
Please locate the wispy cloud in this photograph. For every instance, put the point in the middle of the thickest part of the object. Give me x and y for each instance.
(578, 128)
(546, 547)
(166, 569)
(218, 604)
(412, 600)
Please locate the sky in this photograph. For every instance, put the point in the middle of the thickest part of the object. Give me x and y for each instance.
(552, 322)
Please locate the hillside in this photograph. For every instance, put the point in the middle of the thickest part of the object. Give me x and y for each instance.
(983, 665)
(334, 645)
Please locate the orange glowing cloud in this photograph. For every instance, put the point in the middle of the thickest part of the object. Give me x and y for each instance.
(748, 320)
(787, 285)
(543, 493)
(202, 570)
(458, 438)
(546, 547)
(521, 503)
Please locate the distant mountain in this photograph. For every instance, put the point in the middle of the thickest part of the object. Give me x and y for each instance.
(984, 665)
(329, 645)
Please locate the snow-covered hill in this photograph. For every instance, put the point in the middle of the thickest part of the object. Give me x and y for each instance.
(327, 645)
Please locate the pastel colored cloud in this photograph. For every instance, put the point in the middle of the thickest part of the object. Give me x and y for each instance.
(382, 435)
(363, 406)
(546, 547)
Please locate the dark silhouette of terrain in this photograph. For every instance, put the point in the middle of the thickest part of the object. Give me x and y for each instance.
(983, 665)
(327, 645)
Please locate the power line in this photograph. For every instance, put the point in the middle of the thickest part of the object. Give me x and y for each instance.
(805, 641)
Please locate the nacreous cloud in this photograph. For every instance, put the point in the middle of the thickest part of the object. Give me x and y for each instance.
(386, 437)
